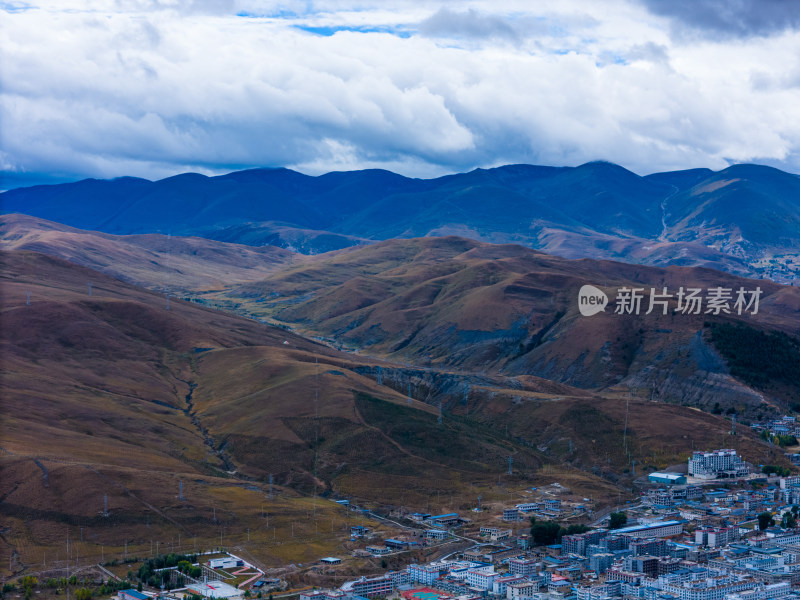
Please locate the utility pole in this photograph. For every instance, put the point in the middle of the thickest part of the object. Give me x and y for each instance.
(625, 432)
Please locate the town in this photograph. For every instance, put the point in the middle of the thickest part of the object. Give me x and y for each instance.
(718, 528)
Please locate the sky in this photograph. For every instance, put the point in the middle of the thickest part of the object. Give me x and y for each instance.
(152, 88)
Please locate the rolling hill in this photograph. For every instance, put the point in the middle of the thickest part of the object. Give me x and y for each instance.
(113, 393)
(169, 264)
(505, 309)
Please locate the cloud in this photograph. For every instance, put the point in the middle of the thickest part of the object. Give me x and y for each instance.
(102, 91)
(649, 51)
(469, 24)
(729, 18)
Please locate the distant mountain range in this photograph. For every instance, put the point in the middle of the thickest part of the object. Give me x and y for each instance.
(744, 219)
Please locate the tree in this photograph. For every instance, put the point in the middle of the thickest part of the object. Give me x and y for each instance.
(29, 581)
(83, 594)
(789, 521)
(765, 520)
(576, 528)
(545, 533)
(617, 520)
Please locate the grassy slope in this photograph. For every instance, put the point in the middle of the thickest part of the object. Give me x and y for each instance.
(94, 404)
(101, 383)
(450, 302)
(174, 264)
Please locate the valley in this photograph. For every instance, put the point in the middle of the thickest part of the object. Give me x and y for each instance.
(214, 391)
(113, 391)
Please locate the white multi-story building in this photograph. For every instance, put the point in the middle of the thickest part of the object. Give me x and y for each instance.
(600, 591)
(716, 536)
(710, 465)
(499, 536)
(521, 590)
(511, 514)
(522, 566)
(710, 589)
(369, 587)
(424, 574)
(552, 504)
(500, 584)
(482, 578)
(657, 529)
(787, 539)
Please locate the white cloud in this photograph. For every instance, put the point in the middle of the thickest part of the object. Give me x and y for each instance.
(154, 87)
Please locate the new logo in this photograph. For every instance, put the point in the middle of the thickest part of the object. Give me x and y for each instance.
(591, 300)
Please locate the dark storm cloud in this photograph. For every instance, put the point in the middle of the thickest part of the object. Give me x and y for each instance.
(729, 18)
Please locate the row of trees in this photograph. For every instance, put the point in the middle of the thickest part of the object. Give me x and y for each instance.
(780, 439)
(148, 572)
(777, 470)
(788, 521)
(28, 583)
(544, 533)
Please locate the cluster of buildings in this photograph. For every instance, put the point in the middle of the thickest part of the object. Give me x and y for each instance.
(546, 508)
(692, 542)
(716, 506)
(786, 425)
(647, 561)
(211, 584)
(707, 465)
